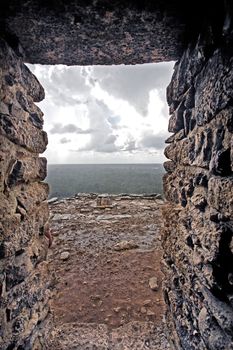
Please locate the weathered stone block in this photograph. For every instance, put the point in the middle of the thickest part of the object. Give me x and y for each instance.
(189, 98)
(176, 121)
(17, 73)
(31, 195)
(199, 198)
(175, 137)
(214, 87)
(25, 307)
(220, 195)
(32, 138)
(18, 231)
(220, 310)
(211, 333)
(31, 84)
(17, 165)
(170, 152)
(31, 169)
(8, 205)
(169, 166)
(185, 71)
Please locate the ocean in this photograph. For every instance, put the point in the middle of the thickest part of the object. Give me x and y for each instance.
(66, 180)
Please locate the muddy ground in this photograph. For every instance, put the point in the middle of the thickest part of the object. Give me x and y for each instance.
(106, 276)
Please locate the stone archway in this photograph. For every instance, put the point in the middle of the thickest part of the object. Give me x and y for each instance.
(197, 238)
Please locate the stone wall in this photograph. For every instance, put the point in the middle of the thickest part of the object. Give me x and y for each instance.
(23, 209)
(96, 31)
(198, 232)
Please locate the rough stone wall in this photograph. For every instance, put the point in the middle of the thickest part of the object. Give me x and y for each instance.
(95, 31)
(198, 233)
(23, 209)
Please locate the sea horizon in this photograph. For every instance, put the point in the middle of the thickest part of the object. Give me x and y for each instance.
(66, 180)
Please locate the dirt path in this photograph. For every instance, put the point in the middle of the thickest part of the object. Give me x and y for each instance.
(107, 280)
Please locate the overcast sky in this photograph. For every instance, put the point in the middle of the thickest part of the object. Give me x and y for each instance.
(105, 114)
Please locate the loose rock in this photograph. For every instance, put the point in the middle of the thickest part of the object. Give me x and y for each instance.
(153, 283)
(125, 245)
(64, 255)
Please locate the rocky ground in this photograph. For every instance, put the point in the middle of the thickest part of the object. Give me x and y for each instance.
(105, 267)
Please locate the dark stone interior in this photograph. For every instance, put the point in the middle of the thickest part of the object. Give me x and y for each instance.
(105, 32)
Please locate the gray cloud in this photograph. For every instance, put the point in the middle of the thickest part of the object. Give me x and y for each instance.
(65, 86)
(130, 146)
(114, 120)
(107, 148)
(103, 139)
(133, 83)
(64, 140)
(151, 140)
(58, 128)
(110, 139)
